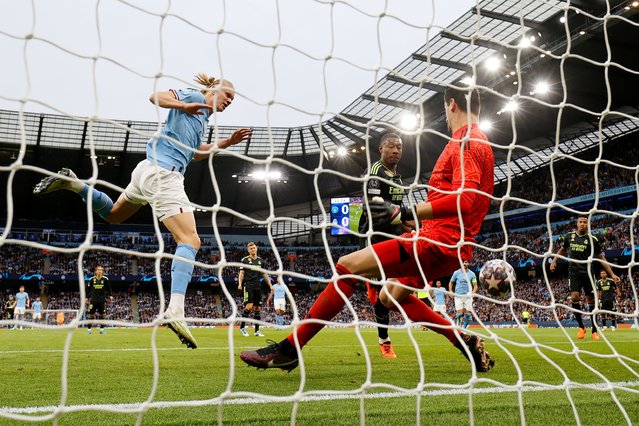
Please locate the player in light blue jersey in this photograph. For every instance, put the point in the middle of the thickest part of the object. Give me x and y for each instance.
(159, 180)
(438, 294)
(37, 310)
(279, 301)
(22, 304)
(464, 284)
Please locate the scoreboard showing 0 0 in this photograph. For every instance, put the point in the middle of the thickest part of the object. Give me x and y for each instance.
(345, 212)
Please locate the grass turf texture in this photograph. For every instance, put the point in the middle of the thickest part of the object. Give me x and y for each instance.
(117, 368)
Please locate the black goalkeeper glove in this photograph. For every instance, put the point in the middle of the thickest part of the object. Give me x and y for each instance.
(385, 213)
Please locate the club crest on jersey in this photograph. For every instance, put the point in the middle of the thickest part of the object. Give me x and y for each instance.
(373, 183)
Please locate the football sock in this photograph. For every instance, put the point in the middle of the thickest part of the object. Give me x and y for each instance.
(381, 315)
(176, 304)
(256, 317)
(467, 318)
(458, 319)
(100, 202)
(245, 314)
(577, 305)
(417, 311)
(593, 317)
(328, 304)
(181, 272)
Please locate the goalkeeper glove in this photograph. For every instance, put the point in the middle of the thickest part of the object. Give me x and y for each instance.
(385, 213)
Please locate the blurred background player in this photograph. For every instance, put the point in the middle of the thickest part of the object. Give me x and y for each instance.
(577, 246)
(390, 149)
(159, 179)
(97, 289)
(37, 310)
(22, 304)
(608, 291)
(438, 294)
(525, 318)
(250, 281)
(9, 307)
(424, 295)
(438, 253)
(464, 284)
(279, 301)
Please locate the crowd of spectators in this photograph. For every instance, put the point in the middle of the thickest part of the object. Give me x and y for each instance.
(532, 294)
(571, 178)
(574, 178)
(612, 231)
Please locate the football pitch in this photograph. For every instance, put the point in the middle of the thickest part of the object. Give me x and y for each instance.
(115, 371)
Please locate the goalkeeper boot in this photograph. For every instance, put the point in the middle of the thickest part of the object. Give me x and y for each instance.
(54, 183)
(595, 336)
(581, 333)
(258, 333)
(244, 332)
(275, 355)
(475, 345)
(387, 350)
(102, 331)
(179, 327)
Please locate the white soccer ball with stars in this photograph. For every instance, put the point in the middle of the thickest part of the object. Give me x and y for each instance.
(496, 277)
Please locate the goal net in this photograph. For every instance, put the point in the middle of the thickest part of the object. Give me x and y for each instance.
(556, 80)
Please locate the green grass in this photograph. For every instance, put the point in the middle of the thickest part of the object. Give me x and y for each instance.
(117, 368)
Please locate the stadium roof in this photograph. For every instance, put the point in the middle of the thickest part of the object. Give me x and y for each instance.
(496, 27)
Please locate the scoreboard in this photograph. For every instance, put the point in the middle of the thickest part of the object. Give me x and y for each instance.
(345, 214)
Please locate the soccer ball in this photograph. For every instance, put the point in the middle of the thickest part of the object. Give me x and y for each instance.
(496, 277)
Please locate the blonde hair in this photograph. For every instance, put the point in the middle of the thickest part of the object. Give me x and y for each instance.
(206, 80)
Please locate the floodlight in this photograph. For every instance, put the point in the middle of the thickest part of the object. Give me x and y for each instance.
(493, 63)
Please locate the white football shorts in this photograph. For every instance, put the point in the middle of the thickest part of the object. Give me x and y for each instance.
(162, 188)
(465, 302)
(279, 304)
(439, 308)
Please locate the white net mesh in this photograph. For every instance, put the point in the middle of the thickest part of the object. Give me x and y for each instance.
(554, 77)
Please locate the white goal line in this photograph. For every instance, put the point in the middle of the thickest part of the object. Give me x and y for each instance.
(133, 408)
(219, 348)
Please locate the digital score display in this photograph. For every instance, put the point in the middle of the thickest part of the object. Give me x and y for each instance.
(345, 214)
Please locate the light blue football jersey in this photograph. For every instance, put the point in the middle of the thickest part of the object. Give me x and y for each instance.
(462, 286)
(21, 300)
(440, 295)
(186, 128)
(279, 291)
(37, 307)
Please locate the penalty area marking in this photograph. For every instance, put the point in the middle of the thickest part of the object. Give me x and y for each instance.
(132, 408)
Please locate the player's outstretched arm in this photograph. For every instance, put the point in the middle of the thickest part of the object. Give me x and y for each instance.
(206, 150)
(168, 100)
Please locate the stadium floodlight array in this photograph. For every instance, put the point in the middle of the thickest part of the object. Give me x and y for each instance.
(458, 56)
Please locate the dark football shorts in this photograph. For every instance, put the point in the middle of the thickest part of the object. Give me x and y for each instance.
(253, 295)
(579, 281)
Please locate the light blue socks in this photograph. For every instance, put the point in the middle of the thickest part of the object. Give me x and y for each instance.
(181, 271)
(101, 203)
